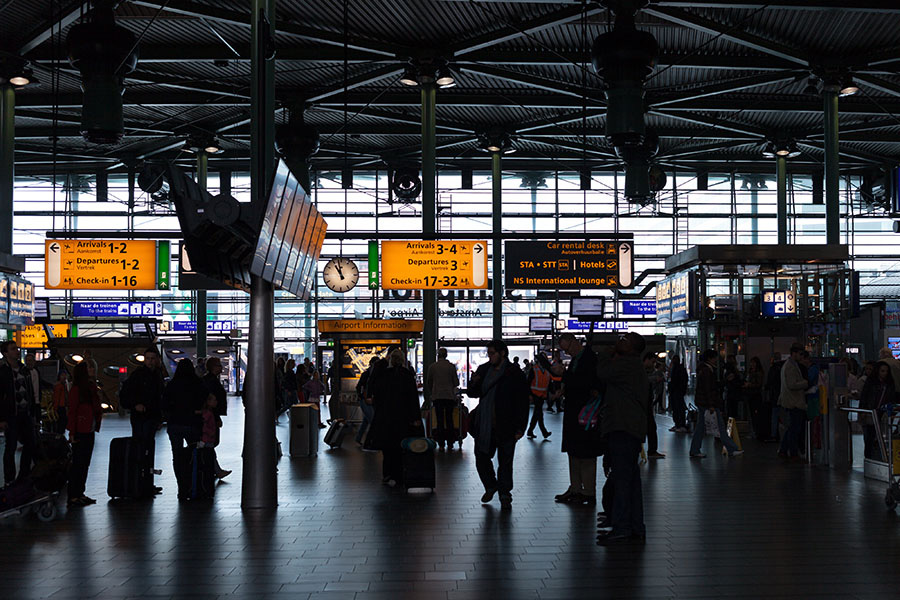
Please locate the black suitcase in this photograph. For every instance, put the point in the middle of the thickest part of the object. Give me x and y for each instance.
(418, 463)
(334, 437)
(126, 478)
(196, 473)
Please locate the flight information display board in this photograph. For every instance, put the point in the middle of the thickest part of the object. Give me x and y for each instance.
(106, 265)
(676, 298)
(434, 265)
(569, 265)
(16, 301)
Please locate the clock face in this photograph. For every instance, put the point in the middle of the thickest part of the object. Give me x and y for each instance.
(340, 274)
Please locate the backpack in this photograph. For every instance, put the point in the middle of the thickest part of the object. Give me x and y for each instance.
(128, 393)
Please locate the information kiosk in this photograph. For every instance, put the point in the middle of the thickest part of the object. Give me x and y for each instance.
(356, 342)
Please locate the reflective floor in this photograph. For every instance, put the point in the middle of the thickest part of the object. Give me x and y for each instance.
(744, 527)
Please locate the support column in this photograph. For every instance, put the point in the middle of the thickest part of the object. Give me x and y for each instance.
(781, 187)
(429, 219)
(497, 250)
(832, 166)
(200, 307)
(259, 484)
(7, 165)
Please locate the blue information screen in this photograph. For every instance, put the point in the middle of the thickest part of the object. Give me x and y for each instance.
(117, 309)
(191, 326)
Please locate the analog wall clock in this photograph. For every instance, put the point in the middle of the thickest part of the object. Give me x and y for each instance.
(340, 274)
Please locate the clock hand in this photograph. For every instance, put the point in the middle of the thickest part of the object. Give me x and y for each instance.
(340, 272)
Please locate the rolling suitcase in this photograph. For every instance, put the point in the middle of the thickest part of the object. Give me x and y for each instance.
(418, 463)
(126, 478)
(334, 437)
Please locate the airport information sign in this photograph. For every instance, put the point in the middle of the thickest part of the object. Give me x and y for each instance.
(569, 265)
(106, 265)
(117, 309)
(638, 307)
(676, 298)
(434, 265)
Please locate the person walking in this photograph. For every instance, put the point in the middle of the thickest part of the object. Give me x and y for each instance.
(397, 415)
(538, 377)
(17, 413)
(499, 422)
(364, 397)
(624, 424)
(441, 383)
(142, 393)
(84, 416)
(582, 447)
(184, 398)
(793, 400)
(709, 399)
(678, 383)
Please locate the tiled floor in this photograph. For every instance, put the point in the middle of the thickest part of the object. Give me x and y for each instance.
(717, 528)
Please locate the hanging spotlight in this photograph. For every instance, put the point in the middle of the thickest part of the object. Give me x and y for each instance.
(496, 140)
(812, 87)
(848, 86)
(213, 147)
(14, 72)
(445, 78)
(785, 148)
(202, 143)
(409, 77)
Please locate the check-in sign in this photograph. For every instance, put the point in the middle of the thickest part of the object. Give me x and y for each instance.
(434, 265)
(101, 265)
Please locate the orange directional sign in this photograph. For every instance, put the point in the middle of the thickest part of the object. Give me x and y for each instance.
(434, 265)
(100, 265)
(35, 336)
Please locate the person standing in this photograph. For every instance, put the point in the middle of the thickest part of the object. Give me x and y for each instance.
(289, 381)
(655, 377)
(31, 363)
(709, 399)
(313, 389)
(753, 390)
(538, 377)
(184, 398)
(142, 392)
(84, 416)
(582, 447)
(364, 397)
(624, 424)
(678, 383)
(61, 401)
(734, 387)
(214, 386)
(17, 412)
(793, 400)
(877, 392)
(772, 394)
(499, 422)
(441, 382)
(886, 356)
(397, 414)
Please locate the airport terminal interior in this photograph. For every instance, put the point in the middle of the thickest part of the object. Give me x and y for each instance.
(292, 202)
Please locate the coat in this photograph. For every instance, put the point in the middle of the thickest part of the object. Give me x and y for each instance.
(441, 381)
(581, 387)
(84, 417)
(183, 399)
(708, 394)
(678, 382)
(396, 402)
(793, 386)
(627, 398)
(8, 406)
(511, 401)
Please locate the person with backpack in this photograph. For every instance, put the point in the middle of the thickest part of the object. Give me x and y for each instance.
(84, 416)
(17, 412)
(499, 420)
(539, 384)
(142, 394)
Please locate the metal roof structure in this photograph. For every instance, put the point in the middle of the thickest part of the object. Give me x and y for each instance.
(731, 73)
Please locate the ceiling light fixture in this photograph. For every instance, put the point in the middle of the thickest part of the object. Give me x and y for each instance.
(496, 141)
(848, 86)
(445, 78)
(409, 77)
(784, 148)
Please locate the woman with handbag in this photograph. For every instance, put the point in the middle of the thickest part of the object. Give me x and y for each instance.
(580, 442)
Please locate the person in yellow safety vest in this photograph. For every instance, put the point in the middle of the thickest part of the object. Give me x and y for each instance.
(539, 382)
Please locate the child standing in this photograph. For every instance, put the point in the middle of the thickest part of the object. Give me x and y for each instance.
(209, 433)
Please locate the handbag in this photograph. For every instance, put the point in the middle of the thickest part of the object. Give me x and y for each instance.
(474, 421)
(712, 423)
(589, 417)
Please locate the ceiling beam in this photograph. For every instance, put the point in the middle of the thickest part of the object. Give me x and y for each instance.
(849, 153)
(541, 83)
(727, 87)
(211, 13)
(680, 150)
(508, 32)
(384, 115)
(356, 81)
(878, 83)
(732, 33)
(713, 123)
(67, 15)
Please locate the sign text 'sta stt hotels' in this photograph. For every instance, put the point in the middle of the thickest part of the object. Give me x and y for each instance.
(106, 264)
(434, 265)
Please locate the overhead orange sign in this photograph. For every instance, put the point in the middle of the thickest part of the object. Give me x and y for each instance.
(434, 265)
(35, 336)
(371, 326)
(100, 265)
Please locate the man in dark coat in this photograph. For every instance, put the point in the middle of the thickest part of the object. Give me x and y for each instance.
(625, 426)
(581, 386)
(142, 393)
(500, 421)
(214, 386)
(17, 412)
(397, 414)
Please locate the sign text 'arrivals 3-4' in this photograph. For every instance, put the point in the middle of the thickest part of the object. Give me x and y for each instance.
(433, 265)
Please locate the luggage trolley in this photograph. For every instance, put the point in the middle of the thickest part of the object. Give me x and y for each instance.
(43, 505)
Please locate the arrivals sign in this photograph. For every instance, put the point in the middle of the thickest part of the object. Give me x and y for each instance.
(434, 265)
(106, 265)
(676, 298)
(570, 265)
